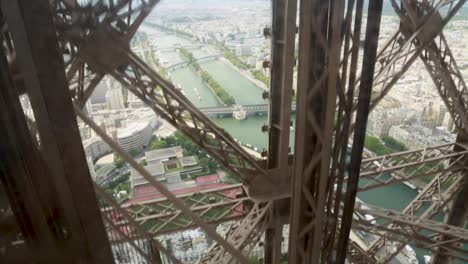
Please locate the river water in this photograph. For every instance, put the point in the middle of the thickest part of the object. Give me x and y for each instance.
(248, 131)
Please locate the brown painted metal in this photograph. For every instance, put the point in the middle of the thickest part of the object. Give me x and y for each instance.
(41, 66)
(114, 213)
(363, 108)
(279, 115)
(178, 203)
(26, 202)
(321, 136)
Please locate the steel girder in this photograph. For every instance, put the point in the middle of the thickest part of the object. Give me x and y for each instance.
(171, 104)
(128, 237)
(424, 233)
(102, 47)
(440, 62)
(433, 49)
(408, 43)
(243, 235)
(89, 77)
(283, 34)
(160, 187)
(74, 212)
(329, 39)
(429, 202)
(160, 216)
(407, 165)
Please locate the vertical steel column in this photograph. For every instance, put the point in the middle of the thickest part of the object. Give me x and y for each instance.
(282, 66)
(458, 214)
(21, 173)
(312, 95)
(363, 107)
(41, 65)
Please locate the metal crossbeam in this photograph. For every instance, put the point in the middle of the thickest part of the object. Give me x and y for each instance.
(405, 228)
(129, 232)
(160, 216)
(407, 165)
(88, 65)
(161, 188)
(327, 80)
(74, 213)
(408, 43)
(243, 235)
(171, 104)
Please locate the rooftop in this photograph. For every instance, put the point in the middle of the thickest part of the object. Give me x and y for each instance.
(212, 178)
(188, 161)
(154, 170)
(162, 153)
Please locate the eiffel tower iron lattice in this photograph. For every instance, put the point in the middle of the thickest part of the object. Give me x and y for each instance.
(94, 38)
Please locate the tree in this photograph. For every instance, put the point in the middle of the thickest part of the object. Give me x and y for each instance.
(373, 144)
(118, 161)
(212, 165)
(134, 152)
(254, 260)
(393, 143)
(159, 144)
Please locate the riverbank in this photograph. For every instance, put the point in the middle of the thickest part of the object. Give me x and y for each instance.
(221, 94)
(246, 74)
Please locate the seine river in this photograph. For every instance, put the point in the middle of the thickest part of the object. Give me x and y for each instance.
(248, 131)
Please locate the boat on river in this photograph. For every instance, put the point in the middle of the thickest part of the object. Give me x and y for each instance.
(239, 113)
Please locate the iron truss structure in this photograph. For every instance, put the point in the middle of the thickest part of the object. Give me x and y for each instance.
(55, 52)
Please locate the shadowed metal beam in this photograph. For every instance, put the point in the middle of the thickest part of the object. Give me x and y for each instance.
(41, 65)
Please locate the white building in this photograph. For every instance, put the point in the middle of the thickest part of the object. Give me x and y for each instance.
(114, 98)
(134, 102)
(160, 155)
(131, 128)
(92, 170)
(243, 50)
(136, 135)
(157, 172)
(416, 137)
(95, 147)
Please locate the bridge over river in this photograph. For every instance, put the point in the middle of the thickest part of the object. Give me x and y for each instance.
(201, 59)
(227, 110)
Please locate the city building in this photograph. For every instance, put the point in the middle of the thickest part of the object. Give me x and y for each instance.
(131, 128)
(416, 137)
(169, 166)
(114, 98)
(160, 155)
(243, 50)
(92, 171)
(95, 147)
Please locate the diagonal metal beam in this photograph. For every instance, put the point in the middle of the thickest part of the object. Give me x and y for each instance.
(408, 43)
(113, 212)
(170, 104)
(41, 66)
(242, 235)
(421, 232)
(161, 188)
(407, 165)
(215, 205)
